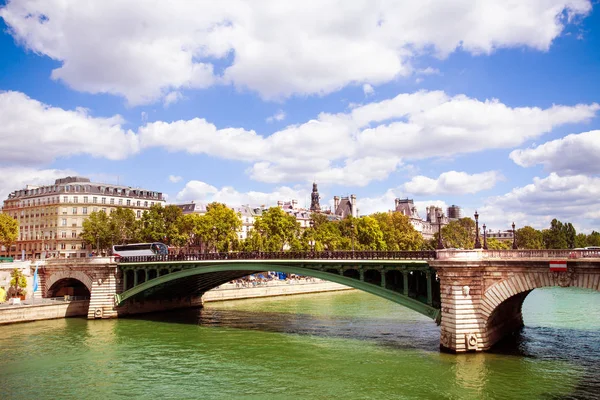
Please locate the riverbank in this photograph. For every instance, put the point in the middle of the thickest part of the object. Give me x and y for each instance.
(43, 309)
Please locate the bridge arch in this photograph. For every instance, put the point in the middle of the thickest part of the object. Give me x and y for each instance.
(501, 304)
(350, 279)
(59, 276)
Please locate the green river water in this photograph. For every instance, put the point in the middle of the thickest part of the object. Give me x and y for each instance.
(343, 345)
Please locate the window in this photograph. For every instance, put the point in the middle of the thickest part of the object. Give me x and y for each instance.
(63, 222)
(63, 246)
(73, 247)
(85, 199)
(112, 201)
(145, 204)
(74, 210)
(139, 203)
(75, 199)
(84, 210)
(65, 199)
(120, 202)
(151, 204)
(63, 234)
(139, 213)
(94, 200)
(95, 209)
(73, 234)
(128, 202)
(104, 200)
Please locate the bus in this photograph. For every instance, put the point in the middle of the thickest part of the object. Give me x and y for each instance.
(140, 249)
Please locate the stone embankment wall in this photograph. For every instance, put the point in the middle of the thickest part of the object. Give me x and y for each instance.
(229, 291)
(35, 312)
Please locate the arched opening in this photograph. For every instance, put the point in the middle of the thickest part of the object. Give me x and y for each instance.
(506, 319)
(129, 276)
(394, 280)
(152, 274)
(352, 273)
(68, 287)
(373, 276)
(141, 276)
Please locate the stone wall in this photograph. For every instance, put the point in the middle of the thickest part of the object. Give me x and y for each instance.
(35, 312)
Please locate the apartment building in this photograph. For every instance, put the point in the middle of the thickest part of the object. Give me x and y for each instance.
(51, 217)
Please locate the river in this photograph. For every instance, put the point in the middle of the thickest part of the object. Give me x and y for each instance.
(342, 345)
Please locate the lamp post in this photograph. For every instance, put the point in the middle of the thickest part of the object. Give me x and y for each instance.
(484, 238)
(440, 245)
(514, 237)
(477, 242)
(311, 242)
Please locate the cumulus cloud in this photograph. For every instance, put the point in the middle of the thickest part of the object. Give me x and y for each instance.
(171, 98)
(278, 116)
(368, 90)
(206, 193)
(452, 182)
(53, 132)
(370, 141)
(275, 48)
(428, 71)
(568, 198)
(174, 178)
(16, 178)
(571, 155)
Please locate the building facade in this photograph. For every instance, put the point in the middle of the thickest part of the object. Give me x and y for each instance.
(429, 226)
(51, 217)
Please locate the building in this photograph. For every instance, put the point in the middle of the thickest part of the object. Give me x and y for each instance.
(51, 217)
(345, 206)
(429, 226)
(454, 212)
(501, 236)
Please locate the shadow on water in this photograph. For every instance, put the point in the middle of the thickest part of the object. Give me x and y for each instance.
(422, 335)
(578, 347)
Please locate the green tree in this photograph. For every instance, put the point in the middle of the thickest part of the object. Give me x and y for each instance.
(97, 230)
(459, 234)
(123, 226)
(495, 244)
(581, 240)
(555, 237)
(277, 228)
(369, 234)
(398, 233)
(593, 239)
(9, 230)
(570, 234)
(529, 238)
(18, 282)
(220, 226)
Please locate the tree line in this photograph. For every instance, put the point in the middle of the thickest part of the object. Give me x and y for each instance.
(276, 230)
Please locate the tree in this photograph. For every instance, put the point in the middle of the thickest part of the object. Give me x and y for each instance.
(529, 238)
(570, 234)
(18, 283)
(555, 237)
(459, 234)
(581, 240)
(277, 229)
(369, 234)
(495, 244)
(9, 231)
(593, 239)
(220, 226)
(398, 233)
(123, 226)
(97, 230)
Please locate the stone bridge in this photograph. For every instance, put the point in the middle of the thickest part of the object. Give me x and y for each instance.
(476, 295)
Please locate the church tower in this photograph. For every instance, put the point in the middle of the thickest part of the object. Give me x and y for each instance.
(314, 199)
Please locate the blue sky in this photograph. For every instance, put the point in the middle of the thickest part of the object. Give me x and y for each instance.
(493, 108)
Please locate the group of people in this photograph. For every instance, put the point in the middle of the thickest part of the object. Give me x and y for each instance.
(271, 276)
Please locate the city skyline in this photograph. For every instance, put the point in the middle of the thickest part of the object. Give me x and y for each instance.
(496, 111)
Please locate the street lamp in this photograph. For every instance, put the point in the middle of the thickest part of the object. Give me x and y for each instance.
(514, 237)
(440, 245)
(311, 242)
(477, 242)
(484, 238)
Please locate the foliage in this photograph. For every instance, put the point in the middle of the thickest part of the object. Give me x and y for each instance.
(2, 295)
(369, 234)
(277, 230)
(123, 226)
(9, 230)
(459, 234)
(18, 282)
(398, 233)
(495, 244)
(219, 227)
(555, 237)
(529, 238)
(97, 230)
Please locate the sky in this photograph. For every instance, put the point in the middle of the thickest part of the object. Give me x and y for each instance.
(492, 106)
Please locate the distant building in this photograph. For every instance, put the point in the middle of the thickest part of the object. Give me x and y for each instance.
(314, 199)
(454, 212)
(502, 236)
(345, 206)
(50, 217)
(426, 227)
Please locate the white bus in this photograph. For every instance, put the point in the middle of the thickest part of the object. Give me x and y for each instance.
(140, 249)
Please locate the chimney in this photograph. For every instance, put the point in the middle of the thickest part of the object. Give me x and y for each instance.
(336, 203)
(353, 202)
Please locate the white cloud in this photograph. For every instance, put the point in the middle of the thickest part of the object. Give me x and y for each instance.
(569, 199)
(27, 124)
(206, 193)
(571, 155)
(171, 98)
(370, 141)
(276, 48)
(174, 178)
(278, 116)
(16, 178)
(428, 71)
(452, 182)
(368, 90)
